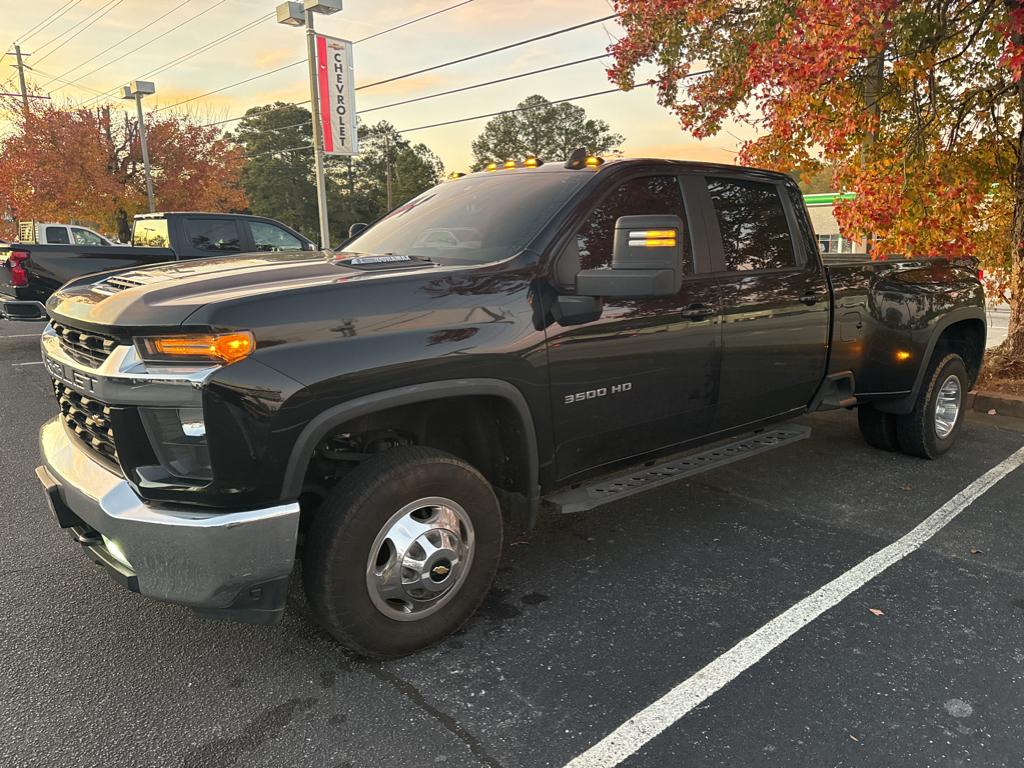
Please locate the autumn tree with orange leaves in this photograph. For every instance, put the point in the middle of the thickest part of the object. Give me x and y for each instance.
(60, 164)
(916, 104)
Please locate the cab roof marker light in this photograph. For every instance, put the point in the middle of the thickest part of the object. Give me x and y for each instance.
(510, 164)
(491, 167)
(533, 162)
(593, 161)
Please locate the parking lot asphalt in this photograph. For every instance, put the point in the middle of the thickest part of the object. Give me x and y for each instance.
(593, 618)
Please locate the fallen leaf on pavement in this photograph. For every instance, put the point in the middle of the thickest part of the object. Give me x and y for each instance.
(976, 551)
(854, 738)
(876, 612)
(908, 487)
(991, 411)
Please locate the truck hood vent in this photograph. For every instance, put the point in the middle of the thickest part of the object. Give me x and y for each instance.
(122, 282)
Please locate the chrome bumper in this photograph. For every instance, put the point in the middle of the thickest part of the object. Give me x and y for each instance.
(230, 565)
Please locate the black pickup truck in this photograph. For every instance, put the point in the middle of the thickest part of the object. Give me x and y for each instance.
(30, 272)
(550, 335)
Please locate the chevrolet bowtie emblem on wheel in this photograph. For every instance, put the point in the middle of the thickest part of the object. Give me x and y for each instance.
(440, 570)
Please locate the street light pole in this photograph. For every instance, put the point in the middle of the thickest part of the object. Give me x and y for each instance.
(145, 154)
(136, 90)
(297, 14)
(318, 139)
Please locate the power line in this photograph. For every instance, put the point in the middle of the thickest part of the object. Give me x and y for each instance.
(276, 151)
(488, 53)
(148, 42)
(107, 9)
(457, 61)
(521, 109)
(303, 61)
(413, 21)
(61, 80)
(47, 21)
(109, 48)
(482, 85)
(57, 37)
(434, 95)
(212, 44)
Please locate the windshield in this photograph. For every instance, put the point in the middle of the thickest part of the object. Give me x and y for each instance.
(470, 221)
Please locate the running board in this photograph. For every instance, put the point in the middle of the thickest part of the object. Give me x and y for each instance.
(607, 489)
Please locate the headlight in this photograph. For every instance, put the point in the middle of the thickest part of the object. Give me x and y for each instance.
(197, 348)
(178, 437)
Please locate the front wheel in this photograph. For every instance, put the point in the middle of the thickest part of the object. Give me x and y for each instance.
(402, 552)
(931, 428)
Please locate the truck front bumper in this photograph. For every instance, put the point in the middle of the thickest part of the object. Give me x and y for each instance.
(232, 565)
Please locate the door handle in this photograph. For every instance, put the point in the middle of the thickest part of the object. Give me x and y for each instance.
(810, 299)
(697, 312)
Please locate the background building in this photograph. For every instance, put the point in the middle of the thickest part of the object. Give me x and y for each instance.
(826, 229)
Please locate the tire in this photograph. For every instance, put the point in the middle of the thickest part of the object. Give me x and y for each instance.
(432, 510)
(919, 430)
(878, 429)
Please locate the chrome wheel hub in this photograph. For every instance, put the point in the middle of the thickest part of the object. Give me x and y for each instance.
(947, 407)
(420, 558)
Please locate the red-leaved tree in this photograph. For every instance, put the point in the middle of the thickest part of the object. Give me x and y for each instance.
(62, 164)
(916, 105)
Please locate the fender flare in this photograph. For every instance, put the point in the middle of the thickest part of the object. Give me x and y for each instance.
(905, 404)
(321, 425)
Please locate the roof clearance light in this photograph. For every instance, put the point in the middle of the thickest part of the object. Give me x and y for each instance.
(455, 175)
(533, 162)
(491, 167)
(593, 161)
(510, 163)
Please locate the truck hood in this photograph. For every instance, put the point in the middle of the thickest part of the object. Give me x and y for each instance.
(166, 294)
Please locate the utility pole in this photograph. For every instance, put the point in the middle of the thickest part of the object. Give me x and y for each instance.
(20, 66)
(387, 168)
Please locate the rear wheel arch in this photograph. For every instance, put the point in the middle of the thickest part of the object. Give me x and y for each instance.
(961, 331)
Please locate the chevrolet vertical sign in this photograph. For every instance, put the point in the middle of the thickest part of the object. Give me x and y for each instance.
(336, 94)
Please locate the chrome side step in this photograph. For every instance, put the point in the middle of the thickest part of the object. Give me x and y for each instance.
(607, 489)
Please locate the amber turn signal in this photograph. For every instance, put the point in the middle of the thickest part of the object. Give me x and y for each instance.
(222, 347)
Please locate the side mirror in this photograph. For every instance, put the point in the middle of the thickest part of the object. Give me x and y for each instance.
(356, 228)
(647, 260)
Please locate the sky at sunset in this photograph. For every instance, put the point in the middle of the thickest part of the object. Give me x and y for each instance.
(61, 50)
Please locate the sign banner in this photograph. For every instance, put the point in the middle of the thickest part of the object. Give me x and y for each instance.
(336, 92)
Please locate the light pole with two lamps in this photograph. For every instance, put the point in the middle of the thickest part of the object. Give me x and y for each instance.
(297, 14)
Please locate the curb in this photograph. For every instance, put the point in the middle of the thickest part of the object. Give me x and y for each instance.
(1002, 404)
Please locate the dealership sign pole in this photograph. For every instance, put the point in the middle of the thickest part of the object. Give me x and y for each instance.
(297, 14)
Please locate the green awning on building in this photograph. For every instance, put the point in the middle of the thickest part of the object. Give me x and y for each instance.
(828, 198)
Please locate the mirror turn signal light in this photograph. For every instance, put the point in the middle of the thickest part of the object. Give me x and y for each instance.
(653, 238)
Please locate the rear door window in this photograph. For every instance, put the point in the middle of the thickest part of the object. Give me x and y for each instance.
(151, 233)
(58, 235)
(214, 235)
(752, 220)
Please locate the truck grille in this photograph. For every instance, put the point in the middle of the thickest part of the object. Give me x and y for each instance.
(89, 419)
(85, 346)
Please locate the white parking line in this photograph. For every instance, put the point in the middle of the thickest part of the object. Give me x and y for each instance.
(34, 362)
(632, 735)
